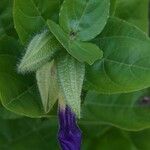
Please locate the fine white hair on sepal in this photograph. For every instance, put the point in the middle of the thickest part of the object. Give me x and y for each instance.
(70, 74)
(39, 51)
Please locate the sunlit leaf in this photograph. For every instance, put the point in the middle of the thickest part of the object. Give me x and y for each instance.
(125, 65)
(85, 18)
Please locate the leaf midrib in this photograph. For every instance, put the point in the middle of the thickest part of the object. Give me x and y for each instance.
(21, 94)
(118, 62)
(129, 65)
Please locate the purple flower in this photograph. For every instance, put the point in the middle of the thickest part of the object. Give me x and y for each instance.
(69, 133)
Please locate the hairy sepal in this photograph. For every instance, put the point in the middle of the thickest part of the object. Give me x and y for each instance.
(70, 75)
(40, 50)
(47, 84)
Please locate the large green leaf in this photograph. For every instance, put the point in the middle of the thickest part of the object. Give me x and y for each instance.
(6, 20)
(115, 139)
(112, 7)
(141, 139)
(29, 16)
(97, 129)
(125, 66)
(85, 18)
(82, 51)
(17, 93)
(119, 27)
(127, 111)
(23, 134)
(5, 114)
(134, 11)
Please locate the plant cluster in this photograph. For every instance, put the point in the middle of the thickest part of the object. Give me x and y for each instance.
(88, 58)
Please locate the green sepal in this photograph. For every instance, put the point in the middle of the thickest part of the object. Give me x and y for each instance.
(40, 50)
(70, 74)
(47, 84)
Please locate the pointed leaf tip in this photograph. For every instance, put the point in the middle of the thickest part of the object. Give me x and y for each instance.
(70, 74)
(40, 50)
(47, 84)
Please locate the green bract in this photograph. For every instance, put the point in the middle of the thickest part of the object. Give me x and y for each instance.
(41, 49)
(70, 74)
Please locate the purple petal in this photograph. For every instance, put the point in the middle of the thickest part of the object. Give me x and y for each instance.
(69, 135)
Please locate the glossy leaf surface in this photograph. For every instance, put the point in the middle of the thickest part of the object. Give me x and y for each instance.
(85, 18)
(125, 64)
(29, 16)
(125, 111)
(47, 84)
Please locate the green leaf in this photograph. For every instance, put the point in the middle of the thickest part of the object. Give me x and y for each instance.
(70, 74)
(134, 11)
(23, 134)
(120, 110)
(6, 20)
(114, 139)
(125, 66)
(85, 18)
(119, 27)
(82, 51)
(47, 84)
(9, 45)
(141, 139)
(17, 93)
(5, 114)
(113, 7)
(29, 16)
(40, 50)
(97, 129)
